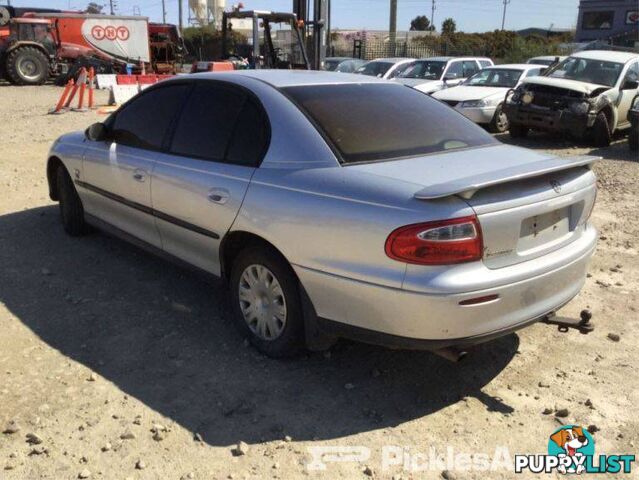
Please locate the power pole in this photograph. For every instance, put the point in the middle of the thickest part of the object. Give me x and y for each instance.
(432, 16)
(392, 29)
(163, 11)
(180, 14)
(111, 6)
(503, 18)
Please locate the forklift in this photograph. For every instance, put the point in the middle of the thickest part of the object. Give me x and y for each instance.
(289, 50)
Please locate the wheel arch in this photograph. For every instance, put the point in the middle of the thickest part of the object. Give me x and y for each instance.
(236, 241)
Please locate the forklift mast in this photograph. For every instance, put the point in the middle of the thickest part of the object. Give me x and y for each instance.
(316, 31)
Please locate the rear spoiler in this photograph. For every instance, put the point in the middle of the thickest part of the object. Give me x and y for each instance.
(468, 186)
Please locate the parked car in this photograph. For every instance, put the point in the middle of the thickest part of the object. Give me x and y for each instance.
(395, 221)
(386, 68)
(633, 116)
(431, 74)
(589, 93)
(480, 97)
(547, 60)
(342, 64)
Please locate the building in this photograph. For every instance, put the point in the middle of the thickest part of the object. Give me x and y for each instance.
(608, 20)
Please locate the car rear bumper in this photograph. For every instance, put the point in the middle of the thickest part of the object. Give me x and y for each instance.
(538, 118)
(481, 115)
(399, 317)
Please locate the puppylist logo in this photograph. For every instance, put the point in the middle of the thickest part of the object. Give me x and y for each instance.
(571, 450)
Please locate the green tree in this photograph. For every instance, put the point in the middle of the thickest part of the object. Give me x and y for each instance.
(420, 23)
(94, 8)
(449, 26)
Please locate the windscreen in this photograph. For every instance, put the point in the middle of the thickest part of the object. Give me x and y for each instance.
(374, 69)
(587, 70)
(494, 77)
(426, 69)
(370, 122)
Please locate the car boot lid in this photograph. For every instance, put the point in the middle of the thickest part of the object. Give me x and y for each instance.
(463, 172)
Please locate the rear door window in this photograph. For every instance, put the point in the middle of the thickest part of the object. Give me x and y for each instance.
(144, 122)
(207, 121)
(373, 122)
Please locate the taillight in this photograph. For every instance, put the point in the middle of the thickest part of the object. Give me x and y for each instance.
(445, 242)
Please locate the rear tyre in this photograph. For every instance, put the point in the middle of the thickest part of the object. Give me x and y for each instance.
(71, 210)
(518, 131)
(499, 123)
(633, 140)
(27, 66)
(266, 302)
(601, 135)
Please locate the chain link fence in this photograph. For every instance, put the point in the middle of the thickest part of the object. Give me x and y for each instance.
(371, 48)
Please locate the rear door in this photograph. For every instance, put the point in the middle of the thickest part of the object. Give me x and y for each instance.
(117, 172)
(218, 141)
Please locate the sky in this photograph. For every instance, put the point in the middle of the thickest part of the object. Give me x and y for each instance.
(470, 15)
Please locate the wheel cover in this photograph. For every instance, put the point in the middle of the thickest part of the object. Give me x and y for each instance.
(502, 121)
(262, 302)
(28, 68)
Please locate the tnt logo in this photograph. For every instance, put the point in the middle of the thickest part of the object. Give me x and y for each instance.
(110, 33)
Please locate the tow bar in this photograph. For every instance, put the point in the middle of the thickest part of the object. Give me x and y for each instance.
(564, 323)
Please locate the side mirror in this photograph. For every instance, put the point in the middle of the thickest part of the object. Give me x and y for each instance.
(630, 85)
(97, 132)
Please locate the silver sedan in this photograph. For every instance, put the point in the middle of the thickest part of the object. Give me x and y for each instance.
(335, 205)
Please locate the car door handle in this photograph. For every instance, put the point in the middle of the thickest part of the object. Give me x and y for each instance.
(218, 195)
(139, 175)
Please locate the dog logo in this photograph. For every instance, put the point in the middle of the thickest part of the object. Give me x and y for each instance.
(574, 444)
(571, 450)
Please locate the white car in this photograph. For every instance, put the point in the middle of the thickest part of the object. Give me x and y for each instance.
(480, 98)
(385, 68)
(436, 73)
(587, 95)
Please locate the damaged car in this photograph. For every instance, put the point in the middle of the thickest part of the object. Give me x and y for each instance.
(588, 95)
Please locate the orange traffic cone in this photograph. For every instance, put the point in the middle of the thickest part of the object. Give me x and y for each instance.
(60, 105)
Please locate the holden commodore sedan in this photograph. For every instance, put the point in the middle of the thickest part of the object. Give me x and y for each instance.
(335, 205)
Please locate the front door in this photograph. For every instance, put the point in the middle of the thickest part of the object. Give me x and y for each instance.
(116, 174)
(199, 186)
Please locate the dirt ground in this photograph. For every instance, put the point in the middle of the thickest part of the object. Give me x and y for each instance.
(115, 364)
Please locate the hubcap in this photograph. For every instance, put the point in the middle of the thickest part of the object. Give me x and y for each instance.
(28, 68)
(502, 122)
(262, 302)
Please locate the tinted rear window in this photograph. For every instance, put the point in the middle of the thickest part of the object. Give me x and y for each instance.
(368, 122)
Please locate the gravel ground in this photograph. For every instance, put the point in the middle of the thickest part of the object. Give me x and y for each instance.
(115, 364)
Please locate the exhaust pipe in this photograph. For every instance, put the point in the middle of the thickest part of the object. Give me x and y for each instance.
(452, 354)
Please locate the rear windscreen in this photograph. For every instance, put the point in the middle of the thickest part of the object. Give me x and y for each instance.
(368, 122)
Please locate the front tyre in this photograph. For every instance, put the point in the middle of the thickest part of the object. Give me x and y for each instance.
(601, 134)
(499, 123)
(27, 66)
(266, 302)
(71, 209)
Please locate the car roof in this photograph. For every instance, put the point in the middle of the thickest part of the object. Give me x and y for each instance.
(290, 78)
(609, 55)
(547, 57)
(340, 58)
(447, 59)
(516, 66)
(391, 59)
